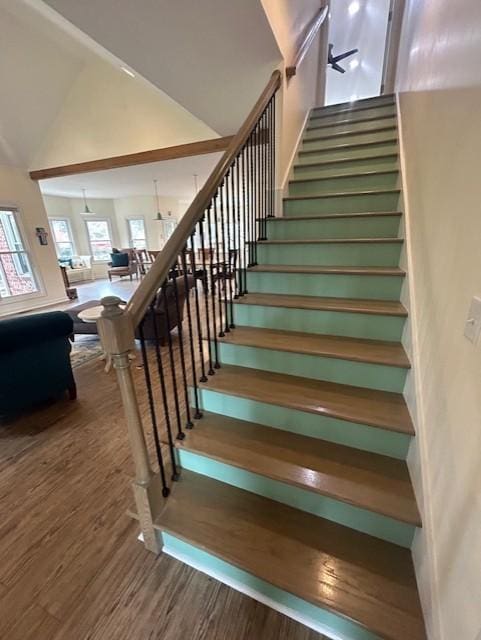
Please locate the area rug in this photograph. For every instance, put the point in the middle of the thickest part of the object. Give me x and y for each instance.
(84, 350)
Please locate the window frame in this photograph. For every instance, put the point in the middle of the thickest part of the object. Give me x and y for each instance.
(69, 229)
(129, 234)
(111, 238)
(6, 301)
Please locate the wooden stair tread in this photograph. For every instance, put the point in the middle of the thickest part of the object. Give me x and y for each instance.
(367, 480)
(334, 110)
(342, 194)
(338, 270)
(338, 176)
(348, 121)
(351, 305)
(358, 576)
(341, 134)
(346, 348)
(328, 216)
(334, 241)
(321, 163)
(349, 145)
(383, 409)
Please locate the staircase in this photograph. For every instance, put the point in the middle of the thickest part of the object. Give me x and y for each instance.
(294, 485)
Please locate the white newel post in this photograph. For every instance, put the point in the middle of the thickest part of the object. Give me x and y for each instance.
(118, 340)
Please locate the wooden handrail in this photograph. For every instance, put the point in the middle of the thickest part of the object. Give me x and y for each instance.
(307, 41)
(159, 271)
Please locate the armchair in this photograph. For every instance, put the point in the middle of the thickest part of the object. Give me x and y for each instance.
(34, 360)
(129, 266)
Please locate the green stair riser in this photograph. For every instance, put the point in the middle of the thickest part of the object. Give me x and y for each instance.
(356, 325)
(383, 163)
(346, 254)
(376, 107)
(355, 227)
(330, 285)
(348, 152)
(350, 516)
(358, 436)
(359, 374)
(353, 115)
(356, 106)
(355, 203)
(309, 144)
(318, 129)
(349, 183)
(317, 618)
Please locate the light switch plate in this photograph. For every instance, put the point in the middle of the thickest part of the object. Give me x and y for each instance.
(472, 328)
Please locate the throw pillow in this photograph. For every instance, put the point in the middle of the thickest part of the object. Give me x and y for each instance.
(120, 259)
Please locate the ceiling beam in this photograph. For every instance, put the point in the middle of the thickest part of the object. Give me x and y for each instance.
(143, 157)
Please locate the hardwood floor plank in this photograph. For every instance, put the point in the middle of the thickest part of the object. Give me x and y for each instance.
(375, 408)
(367, 480)
(356, 349)
(365, 579)
(349, 305)
(315, 269)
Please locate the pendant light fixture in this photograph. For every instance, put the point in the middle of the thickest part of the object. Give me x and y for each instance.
(86, 211)
(158, 215)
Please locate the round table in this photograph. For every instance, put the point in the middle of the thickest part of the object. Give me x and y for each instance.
(92, 314)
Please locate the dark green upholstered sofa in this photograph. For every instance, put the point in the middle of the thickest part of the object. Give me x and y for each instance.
(34, 361)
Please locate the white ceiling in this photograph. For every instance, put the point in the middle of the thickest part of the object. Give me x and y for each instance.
(364, 29)
(213, 57)
(175, 178)
(37, 67)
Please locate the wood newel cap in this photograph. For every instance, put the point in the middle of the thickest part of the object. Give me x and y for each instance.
(116, 327)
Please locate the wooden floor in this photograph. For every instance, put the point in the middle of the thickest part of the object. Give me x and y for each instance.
(70, 565)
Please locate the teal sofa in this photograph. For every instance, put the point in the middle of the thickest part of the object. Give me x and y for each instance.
(34, 361)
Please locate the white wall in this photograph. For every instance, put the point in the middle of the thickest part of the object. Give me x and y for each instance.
(144, 207)
(107, 113)
(288, 20)
(117, 211)
(366, 31)
(17, 190)
(440, 77)
(213, 57)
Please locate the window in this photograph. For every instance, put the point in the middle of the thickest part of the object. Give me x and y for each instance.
(100, 239)
(62, 236)
(16, 274)
(137, 235)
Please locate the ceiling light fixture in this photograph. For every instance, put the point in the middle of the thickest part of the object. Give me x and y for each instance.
(353, 8)
(128, 72)
(158, 215)
(86, 211)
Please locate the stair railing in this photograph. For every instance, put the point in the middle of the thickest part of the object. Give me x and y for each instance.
(192, 286)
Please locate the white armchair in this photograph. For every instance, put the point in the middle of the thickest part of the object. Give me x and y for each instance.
(81, 269)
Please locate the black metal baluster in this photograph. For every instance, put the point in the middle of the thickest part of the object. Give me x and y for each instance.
(252, 199)
(273, 154)
(188, 424)
(203, 377)
(239, 256)
(180, 433)
(213, 285)
(232, 262)
(197, 413)
(245, 246)
(224, 250)
(248, 202)
(217, 245)
(153, 416)
(206, 294)
(163, 389)
(227, 271)
(271, 181)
